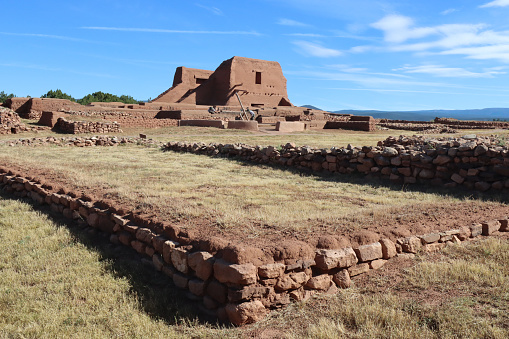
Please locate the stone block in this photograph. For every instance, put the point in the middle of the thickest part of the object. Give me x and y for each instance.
(241, 274)
(249, 293)
(369, 252)
(321, 282)
(179, 260)
(388, 248)
(217, 291)
(145, 235)
(245, 313)
(291, 281)
(168, 246)
(457, 178)
(430, 238)
(476, 230)
(180, 280)
(376, 264)
(504, 225)
(358, 269)
(342, 279)
(411, 244)
(202, 263)
(271, 270)
(197, 287)
(490, 227)
(158, 262)
(329, 259)
(138, 246)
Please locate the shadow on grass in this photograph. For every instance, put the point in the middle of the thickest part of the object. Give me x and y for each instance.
(155, 291)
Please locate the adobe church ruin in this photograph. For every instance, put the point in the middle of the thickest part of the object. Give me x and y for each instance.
(260, 84)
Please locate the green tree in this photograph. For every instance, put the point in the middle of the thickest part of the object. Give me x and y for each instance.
(4, 96)
(58, 94)
(106, 97)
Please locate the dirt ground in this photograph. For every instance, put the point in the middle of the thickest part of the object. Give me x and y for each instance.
(401, 222)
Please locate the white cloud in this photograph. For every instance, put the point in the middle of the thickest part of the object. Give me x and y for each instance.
(449, 11)
(316, 50)
(290, 22)
(472, 40)
(448, 72)
(496, 3)
(496, 52)
(213, 10)
(157, 30)
(398, 28)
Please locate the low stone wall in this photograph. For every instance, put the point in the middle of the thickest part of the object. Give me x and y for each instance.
(146, 122)
(203, 123)
(228, 286)
(480, 163)
(101, 140)
(75, 127)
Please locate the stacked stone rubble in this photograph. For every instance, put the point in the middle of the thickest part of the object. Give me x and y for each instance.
(76, 127)
(10, 122)
(476, 163)
(81, 141)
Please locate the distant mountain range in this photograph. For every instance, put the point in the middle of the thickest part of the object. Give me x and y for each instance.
(465, 114)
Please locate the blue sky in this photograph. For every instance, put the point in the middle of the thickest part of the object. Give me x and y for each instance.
(342, 54)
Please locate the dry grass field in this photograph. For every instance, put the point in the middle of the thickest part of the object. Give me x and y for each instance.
(236, 199)
(58, 281)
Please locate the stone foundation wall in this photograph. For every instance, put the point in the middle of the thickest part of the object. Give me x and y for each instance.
(227, 286)
(75, 127)
(480, 163)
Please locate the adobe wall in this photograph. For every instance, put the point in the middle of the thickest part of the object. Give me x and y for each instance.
(228, 286)
(259, 83)
(50, 119)
(32, 108)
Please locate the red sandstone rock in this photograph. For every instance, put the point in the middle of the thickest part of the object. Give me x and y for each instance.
(411, 244)
(217, 291)
(180, 280)
(369, 252)
(271, 270)
(291, 281)
(342, 279)
(179, 260)
(246, 313)
(490, 227)
(197, 287)
(358, 269)
(202, 264)
(504, 225)
(388, 248)
(320, 282)
(328, 259)
(430, 238)
(244, 274)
